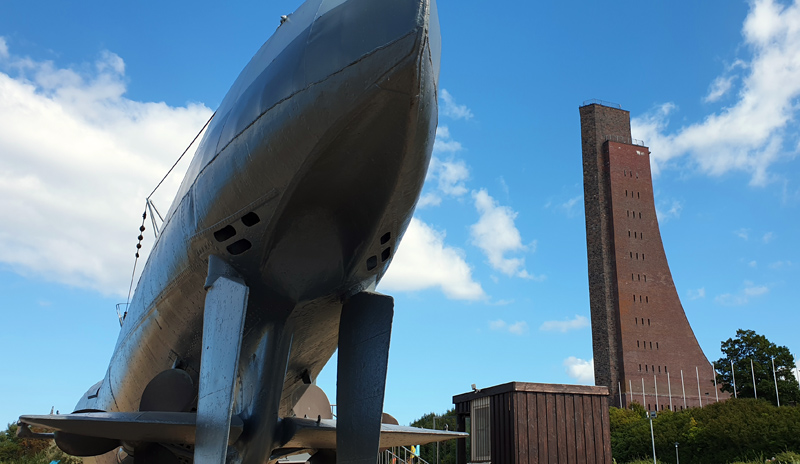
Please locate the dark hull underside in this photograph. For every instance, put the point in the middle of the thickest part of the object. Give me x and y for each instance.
(307, 202)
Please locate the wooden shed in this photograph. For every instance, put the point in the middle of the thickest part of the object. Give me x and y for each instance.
(527, 423)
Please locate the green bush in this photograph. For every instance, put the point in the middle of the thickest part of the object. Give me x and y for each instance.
(733, 430)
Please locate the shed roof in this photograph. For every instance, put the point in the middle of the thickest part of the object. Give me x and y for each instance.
(531, 387)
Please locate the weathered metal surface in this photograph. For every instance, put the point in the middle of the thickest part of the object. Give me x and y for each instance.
(150, 426)
(309, 433)
(364, 334)
(304, 182)
(223, 324)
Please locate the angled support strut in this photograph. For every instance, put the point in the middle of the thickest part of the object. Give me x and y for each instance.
(364, 333)
(223, 324)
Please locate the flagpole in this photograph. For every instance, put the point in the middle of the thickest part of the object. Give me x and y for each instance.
(733, 373)
(630, 388)
(683, 386)
(669, 386)
(714, 372)
(643, 400)
(699, 396)
(655, 382)
(775, 378)
(755, 392)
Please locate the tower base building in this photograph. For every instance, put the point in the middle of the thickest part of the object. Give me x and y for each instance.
(644, 348)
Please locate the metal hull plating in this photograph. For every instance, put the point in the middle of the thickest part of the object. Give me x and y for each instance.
(305, 181)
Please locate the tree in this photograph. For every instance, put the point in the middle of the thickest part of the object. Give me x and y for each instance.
(447, 449)
(747, 346)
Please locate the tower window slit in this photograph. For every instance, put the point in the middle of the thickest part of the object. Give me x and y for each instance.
(648, 322)
(640, 298)
(645, 368)
(637, 343)
(637, 195)
(639, 276)
(647, 299)
(659, 369)
(656, 346)
(640, 215)
(637, 255)
(651, 345)
(629, 233)
(634, 235)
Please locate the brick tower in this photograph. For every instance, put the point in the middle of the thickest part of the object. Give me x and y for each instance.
(644, 348)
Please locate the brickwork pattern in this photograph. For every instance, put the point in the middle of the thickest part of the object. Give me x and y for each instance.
(643, 342)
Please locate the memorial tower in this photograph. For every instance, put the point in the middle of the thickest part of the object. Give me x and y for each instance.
(644, 348)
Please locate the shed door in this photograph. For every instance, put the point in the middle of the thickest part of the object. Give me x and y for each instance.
(480, 433)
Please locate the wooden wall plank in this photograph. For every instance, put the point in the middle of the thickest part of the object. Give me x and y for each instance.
(580, 431)
(503, 428)
(588, 432)
(552, 429)
(561, 432)
(520, 408)
(597, 413)
(606, 427)
(569, 416)
(495, 432)
(533, 430)
(541, 407)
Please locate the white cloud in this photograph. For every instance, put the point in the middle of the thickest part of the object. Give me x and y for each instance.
(743, 296)
(517, 328)
(452, 175)
(750, 135)
(672, 211)
(780, 264)
(564, 326)
(496, 235)
(742, 233)
(580, 369)
(768, 237)
(498, 324)
(443, 143)
(445, 176)
(752, 264)
(751, 290)
(429, 199)
(718, 88)
(77, 159)
(452, 109)
(3, 48)
(697, 294)
(424, 261)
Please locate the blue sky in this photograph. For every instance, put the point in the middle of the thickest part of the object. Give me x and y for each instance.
(490, 285)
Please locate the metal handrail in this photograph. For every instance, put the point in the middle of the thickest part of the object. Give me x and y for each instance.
(595, 101)
(386, 456)
(621, 139)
